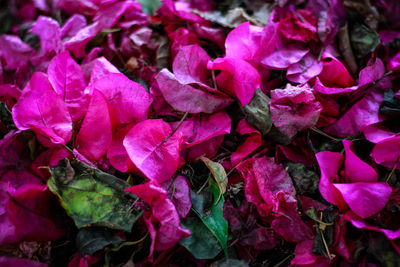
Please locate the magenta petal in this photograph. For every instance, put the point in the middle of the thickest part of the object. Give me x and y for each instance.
(68, 81)
(73, 25)
(163, 210)
(286, 56)
(190, 65)
(387, 152)
(321, 88)
(50, 34)
(360, 223)
(202, 127)
(240, 78)
(117, 154)
(334, 72)
(31, 203)
(41, 109)
(15, 52)
(377, 132)
(186, 98)
(78, 42)
(371, 73)
(129, 99)
(250, 145)
(95, 134)
(101, 67)
(363, 113)
(152, 150)
(304, 70)
(179, 192)
(356, 170)
(329, 164)
(243, 42)
(365, 199)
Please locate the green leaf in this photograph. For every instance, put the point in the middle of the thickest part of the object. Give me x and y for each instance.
(150, 6)
(363, 40)
(92, 239)
(214, 219)
(92, 197)
(257, 112)
(219, 174)
(202, 243)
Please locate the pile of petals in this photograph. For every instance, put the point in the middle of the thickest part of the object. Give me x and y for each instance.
(199, 133)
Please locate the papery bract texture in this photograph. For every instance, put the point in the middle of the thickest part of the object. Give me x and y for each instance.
(153, 150)
(42, 110)
(67, 79)
(294, 109)
(95, 134)
(187, 98)
(49, 32)
(179, 192)
(164, 218)
(237, 78)
(129, 99)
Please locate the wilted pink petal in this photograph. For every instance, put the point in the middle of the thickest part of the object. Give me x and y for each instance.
(356, 170)
(169, 230)
(50, 34)
(304, 256)
(243, 42)
(287, 222)
(18, 262)
(190, 65)
(363, 113)
(294, 109)
(77, 43)
(263, 179)
(42, 110)
(129, 99)
(299, 26)
(365, 199)
(261, 238)
(250, 144)
(360, 223)
(31, 203)
(304, 70)
(95, 134)
(208, 149)
(387, 152)
(153, 150)
(68, 81)
(50, 157)
(238, 78)
(187, 98)
(202, 127)
(329, 164)
(285, 56)
(72, 26)
(9, 93)
(179, 192)
(321, 88)
(15, 52)
(108, 15)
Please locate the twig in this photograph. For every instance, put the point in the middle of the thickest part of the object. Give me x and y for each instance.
(324, 134)
(393, 169)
